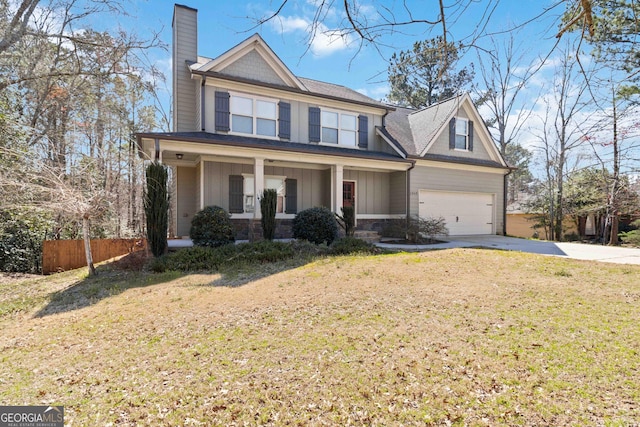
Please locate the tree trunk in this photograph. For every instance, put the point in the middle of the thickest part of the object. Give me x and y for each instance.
(87, 245)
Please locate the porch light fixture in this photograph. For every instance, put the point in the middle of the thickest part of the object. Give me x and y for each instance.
(179, 156)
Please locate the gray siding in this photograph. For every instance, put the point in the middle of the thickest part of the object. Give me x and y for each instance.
(397, 198)
(441, 145)
(185, 48)
(186, 200)
(429, 178)
(312, 185)
(252, 66)
(372, 191)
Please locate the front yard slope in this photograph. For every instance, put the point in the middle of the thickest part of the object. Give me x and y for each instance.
(455, 337)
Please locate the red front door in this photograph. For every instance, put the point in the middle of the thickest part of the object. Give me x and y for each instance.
(348, 193)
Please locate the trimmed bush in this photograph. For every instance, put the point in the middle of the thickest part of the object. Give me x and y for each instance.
(268, 205)
(317, 225)
(351, 245)
(156, 207)
(212, 227)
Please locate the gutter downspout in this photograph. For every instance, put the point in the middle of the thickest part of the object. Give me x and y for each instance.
(505, 197)
(408, 196)
(202, 103)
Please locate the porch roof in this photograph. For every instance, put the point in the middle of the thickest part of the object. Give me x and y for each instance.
(270, 144)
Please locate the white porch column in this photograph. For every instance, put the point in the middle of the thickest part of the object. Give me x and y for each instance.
(338, 176)
(258, 173)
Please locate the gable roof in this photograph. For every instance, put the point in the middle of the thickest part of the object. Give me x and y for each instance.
(214, 67)
(254, 43)
(417, 130)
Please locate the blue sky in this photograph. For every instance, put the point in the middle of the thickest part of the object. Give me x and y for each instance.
(223, 24)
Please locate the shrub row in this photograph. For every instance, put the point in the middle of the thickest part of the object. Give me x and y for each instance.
(228, 257)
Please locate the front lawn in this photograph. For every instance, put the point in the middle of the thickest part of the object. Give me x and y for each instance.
(452, 337)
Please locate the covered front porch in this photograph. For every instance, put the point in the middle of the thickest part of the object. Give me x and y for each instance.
(233, 177)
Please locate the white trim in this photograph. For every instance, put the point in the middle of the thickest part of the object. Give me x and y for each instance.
(228, 151)
(255, 42)
(340, 113)
(381, 216)
(390, 143)
(254, 114)
(355, 198)
(345, 105)
(461, 166)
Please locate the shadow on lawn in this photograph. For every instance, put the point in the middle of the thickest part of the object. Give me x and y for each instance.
(113, 278)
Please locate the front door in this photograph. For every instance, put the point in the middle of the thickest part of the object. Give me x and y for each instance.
(349, 194)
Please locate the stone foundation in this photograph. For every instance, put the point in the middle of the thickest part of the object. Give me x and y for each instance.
(251, 229)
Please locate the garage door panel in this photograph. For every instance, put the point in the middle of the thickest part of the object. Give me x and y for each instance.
(464, 213)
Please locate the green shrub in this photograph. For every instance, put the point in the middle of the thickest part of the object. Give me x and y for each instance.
(156, 207)
(21, 237)
(264, 251)
(351, 245)
(631, 237)
(201, 258)
(212, 227)
(317, 225)
(268, 205)
(347, 220)
(419, 229)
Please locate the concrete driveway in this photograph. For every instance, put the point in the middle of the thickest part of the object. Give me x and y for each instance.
(613, 254)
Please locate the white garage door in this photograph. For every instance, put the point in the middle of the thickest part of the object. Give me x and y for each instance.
(464, 213)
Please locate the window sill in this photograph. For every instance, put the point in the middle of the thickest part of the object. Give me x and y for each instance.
(328, 144)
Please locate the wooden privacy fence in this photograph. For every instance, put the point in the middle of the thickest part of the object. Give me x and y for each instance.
(62, 255)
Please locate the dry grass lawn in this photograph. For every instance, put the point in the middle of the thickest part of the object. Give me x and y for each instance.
(455, 337)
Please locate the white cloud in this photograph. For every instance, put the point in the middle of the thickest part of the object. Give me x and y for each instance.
(322, 40)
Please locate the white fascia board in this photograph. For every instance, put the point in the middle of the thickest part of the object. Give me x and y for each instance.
(460, 166)
(206, 150)
(270, 92)
(390, 143)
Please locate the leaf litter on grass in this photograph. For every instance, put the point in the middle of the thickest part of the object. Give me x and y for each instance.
(465, 336)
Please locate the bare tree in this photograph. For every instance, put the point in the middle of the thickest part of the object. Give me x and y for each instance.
(564, 119)
(78, 194)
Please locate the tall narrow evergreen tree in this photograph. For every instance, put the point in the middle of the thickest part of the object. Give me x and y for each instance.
(156, 207)
(268, 205)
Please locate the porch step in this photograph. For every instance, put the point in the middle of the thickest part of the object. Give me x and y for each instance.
(367, 236)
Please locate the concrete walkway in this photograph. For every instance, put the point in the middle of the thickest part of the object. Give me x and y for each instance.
(613, 254)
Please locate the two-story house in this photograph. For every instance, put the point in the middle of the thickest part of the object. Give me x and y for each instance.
(244, 123)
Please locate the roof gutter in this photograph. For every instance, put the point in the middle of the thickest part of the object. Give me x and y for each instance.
(288, 89)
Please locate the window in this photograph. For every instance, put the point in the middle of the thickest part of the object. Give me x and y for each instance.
(270, 182)
(462, 134)
(253, 116)
(339, 128)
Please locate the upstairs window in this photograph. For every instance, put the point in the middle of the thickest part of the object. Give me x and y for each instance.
(253, 116)
(339, 128)
(462, 134)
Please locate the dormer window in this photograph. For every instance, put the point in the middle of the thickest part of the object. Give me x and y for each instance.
(253, 116)
(462, 134)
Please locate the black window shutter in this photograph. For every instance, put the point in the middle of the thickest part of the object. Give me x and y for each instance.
(222, 111)
(470, 130)
(284, 118)
(236, 194)
(291, 191)
(314, 124)
(363, 131)
(452, 133)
